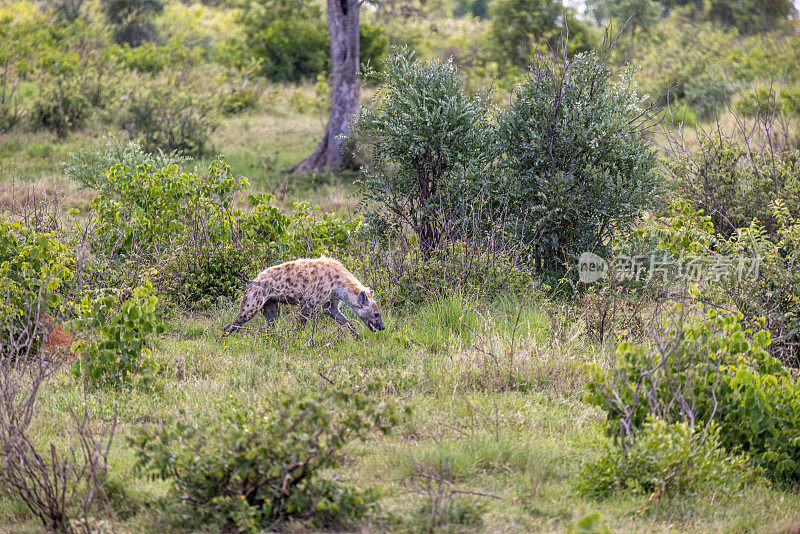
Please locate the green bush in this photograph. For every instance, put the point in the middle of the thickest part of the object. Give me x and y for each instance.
(132, 19)
(519, 27)
(171, 113)
(33, 267)
(735, 186)
(429, 149)
(148, 209)
(198, 278)
(715, 371)
(88, 167)
(578, 172)
(240, 99)
(252, 468)
(117, 346)
(290, 39)
(61, 106)
(666, 459)
(774, 295)
(765, 103)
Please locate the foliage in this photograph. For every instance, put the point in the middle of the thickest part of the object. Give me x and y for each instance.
(404, 281)
(88, 167)
(61, 106)
(428, 146)
(118, 348)
(519, 27)
(578, 170)
(251, 468)
(775, 294)
(132, 19)
(290, 39)
(240, 99)
(751, 16)
(666, 459)
(198, 278)
(735, 186)
(147, 209)
(33, 267)
(764, 103)
(713, 371)
(167, 114)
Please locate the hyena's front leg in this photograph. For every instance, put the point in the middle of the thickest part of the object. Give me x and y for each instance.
(331, 308)
(252, 301)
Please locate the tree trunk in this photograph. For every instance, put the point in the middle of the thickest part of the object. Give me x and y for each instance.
(345, 100)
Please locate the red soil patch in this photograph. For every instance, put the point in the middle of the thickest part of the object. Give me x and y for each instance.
(58, 342)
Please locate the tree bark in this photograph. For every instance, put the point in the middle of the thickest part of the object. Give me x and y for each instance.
(343, 26)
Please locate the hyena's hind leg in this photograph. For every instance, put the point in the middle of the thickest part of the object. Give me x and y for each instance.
(252, 301)
(271, 311)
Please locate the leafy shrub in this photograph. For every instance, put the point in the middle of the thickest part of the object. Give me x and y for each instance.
(706, 97)
(735, 186)
(61, 105)
(146, 209)
(88, 167)
(428, 146)
(251, 468)
(33, 267)
(132, 19)
(198, 278)
(764, 102)
(518, 27)
(240, 99)
(118, 347)
(290, 39)
(578, 171)
(313, 232)
(775, 294)
(168, 114)
(154, 58)
(716, 371)
(666, 459)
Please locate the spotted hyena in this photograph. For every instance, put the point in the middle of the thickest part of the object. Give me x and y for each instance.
(311, 283)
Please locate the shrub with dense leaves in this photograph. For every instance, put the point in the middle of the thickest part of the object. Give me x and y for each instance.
(735, 186)
(428, 146)
(61, 106)
(33, 266)
(147, 209)
(252, 468)
(666, 459)
(88, 167)
(713, 371)
(117, 348)
(289, 38)
(578, 169)
(171, 112)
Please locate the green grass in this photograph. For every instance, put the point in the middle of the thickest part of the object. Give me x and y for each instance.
(522, 439)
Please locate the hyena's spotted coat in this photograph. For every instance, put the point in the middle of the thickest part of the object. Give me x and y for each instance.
(311, 283)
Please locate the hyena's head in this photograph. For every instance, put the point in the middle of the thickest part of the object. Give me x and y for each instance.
(368, 311)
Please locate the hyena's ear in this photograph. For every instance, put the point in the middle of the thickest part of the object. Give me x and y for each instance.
(363, 299)
(370, 293)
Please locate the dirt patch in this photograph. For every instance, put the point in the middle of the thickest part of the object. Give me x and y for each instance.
(58, 342)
